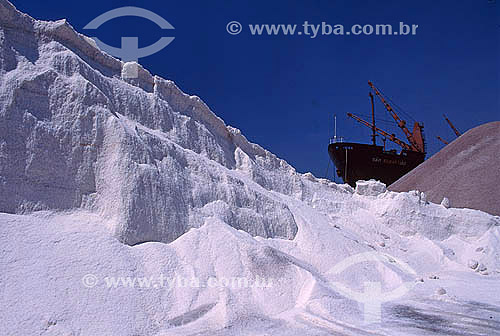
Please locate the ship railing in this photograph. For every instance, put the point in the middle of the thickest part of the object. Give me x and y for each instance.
(336, 139)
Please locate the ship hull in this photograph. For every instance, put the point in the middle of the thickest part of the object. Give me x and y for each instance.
(355, 161)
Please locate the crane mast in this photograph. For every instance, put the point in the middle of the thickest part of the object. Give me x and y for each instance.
(416, 138)
(374, 129)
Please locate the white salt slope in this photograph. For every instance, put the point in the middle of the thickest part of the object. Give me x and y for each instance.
(45, 257)
(142, 153)
(141, 161)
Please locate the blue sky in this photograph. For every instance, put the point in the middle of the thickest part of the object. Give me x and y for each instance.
(282, 91)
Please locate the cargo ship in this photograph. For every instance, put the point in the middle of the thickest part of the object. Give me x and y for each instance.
(359, 161)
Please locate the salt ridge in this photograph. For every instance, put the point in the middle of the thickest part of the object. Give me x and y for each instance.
(110, 177)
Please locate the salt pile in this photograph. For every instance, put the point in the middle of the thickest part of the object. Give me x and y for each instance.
(121, 198)
(466, 172)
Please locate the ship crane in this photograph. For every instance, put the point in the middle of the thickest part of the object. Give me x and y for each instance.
(457, 132)
(391, 137)
(415, 138)
(365, 161)
(442, 140)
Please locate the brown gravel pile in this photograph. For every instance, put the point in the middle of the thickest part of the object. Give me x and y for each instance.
(467, 172)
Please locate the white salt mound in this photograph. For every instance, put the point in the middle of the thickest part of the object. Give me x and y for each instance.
(152, 159)
(370, 188)
(445, 202)
(105, 177)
